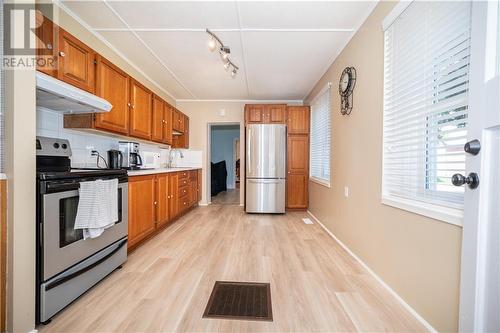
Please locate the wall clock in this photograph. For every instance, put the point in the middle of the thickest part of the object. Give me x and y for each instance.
(346, 88)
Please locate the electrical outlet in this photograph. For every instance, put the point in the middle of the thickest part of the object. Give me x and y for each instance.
(346, 191)
(222, 112)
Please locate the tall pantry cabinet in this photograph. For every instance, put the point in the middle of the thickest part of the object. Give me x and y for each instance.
(297, 119)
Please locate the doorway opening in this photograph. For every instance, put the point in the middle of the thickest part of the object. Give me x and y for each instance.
(225, 164)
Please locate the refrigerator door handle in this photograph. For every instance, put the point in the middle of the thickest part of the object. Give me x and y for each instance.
(266, 181)
(249, 151)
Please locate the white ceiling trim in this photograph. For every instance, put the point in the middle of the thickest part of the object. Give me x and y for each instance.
(110, 46)
(245, 66)
(260, 101)
(149, 49)
(221, 30)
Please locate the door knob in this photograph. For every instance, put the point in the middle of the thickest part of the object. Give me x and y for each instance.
(473, 147)
(472, 180)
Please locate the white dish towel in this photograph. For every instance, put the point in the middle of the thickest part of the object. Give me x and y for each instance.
(97, 207)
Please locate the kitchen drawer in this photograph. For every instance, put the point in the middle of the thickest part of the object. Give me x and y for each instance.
(183, 203)
(183, 190)
(183, 174)
(183, 181)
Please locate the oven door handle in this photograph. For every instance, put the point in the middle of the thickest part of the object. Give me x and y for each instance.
(66, 278)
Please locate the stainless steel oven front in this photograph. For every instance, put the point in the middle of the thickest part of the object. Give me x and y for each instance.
(62, 245)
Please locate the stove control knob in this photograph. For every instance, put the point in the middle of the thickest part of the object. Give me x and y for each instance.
(64, 146)
(56, 145)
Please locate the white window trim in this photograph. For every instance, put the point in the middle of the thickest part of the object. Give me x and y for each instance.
(440, 213)
(319, 181)
(444, 214)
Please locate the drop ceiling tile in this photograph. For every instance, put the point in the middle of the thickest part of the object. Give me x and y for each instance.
(178, 14)
(202, 71)
(134, 50)
(95, 13)
(304, 14)
(285, 65)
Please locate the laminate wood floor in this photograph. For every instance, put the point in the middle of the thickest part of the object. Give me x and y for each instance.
(229, 197)
(166, 283)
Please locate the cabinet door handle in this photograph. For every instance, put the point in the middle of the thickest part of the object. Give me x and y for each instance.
(49, 46)
(62, 54)
(156, 203)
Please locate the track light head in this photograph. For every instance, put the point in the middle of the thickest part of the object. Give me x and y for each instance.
(212, 44)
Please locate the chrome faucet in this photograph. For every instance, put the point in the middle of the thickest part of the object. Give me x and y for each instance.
(171, 156)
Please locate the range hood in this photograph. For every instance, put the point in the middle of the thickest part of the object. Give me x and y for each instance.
(59, 96)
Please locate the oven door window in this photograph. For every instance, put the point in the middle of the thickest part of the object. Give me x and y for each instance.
(68, 208)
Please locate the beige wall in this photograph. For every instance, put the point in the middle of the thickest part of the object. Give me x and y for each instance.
(416, 256)
(201, 114)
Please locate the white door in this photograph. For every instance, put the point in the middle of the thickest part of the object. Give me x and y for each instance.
(480, 269)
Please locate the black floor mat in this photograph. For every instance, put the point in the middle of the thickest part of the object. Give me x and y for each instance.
(240, 300)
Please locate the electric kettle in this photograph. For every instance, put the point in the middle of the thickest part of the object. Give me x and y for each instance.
(115, 159)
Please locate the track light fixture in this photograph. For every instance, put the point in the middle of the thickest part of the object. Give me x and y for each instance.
(215, 43)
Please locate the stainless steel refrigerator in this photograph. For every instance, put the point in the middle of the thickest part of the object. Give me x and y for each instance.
(265, 168)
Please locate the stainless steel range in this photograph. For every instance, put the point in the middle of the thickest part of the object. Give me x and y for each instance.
(68, 265)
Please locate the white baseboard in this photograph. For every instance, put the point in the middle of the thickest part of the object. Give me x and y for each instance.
(204, 204)
(378, 278)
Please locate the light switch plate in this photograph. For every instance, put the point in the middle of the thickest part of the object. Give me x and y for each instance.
(346, 191)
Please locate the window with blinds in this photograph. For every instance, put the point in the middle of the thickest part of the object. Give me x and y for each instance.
(426, 79)
(320, 137)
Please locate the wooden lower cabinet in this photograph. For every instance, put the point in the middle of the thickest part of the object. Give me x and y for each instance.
(157, 200)
(141, 208)
(297, 191)
(174, 195)
(162, 200)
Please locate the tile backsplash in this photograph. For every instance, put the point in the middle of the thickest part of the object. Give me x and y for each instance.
(50, 123)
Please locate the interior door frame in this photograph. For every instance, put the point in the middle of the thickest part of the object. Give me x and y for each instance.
(208, 182)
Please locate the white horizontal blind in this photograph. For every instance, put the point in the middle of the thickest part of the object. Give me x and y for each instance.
(321, 136)
(426, 78)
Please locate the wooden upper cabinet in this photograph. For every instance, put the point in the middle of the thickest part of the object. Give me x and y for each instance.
(298, 119)
(167, 125)
(178, 121)
(162, 199)
(112, 84)
(255, 113)
(46, 44)
(276, 114)
(298, 154)
(297, 191)
(141, 208)
(265, 113)
(140, 110)
(158, 119)
(76, 62)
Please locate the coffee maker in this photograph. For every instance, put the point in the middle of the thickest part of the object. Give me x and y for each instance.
(131, 158)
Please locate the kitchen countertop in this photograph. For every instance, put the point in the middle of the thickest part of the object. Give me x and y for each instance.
(160, 170)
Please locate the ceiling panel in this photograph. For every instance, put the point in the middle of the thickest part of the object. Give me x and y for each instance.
(129, 45)
(177, 14)
(285, 65)
(277, 61)
(304, 14)
(186, 53)
(95, 13)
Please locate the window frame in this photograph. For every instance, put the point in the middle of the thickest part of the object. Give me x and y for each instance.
(321, 181)
(436, 211)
